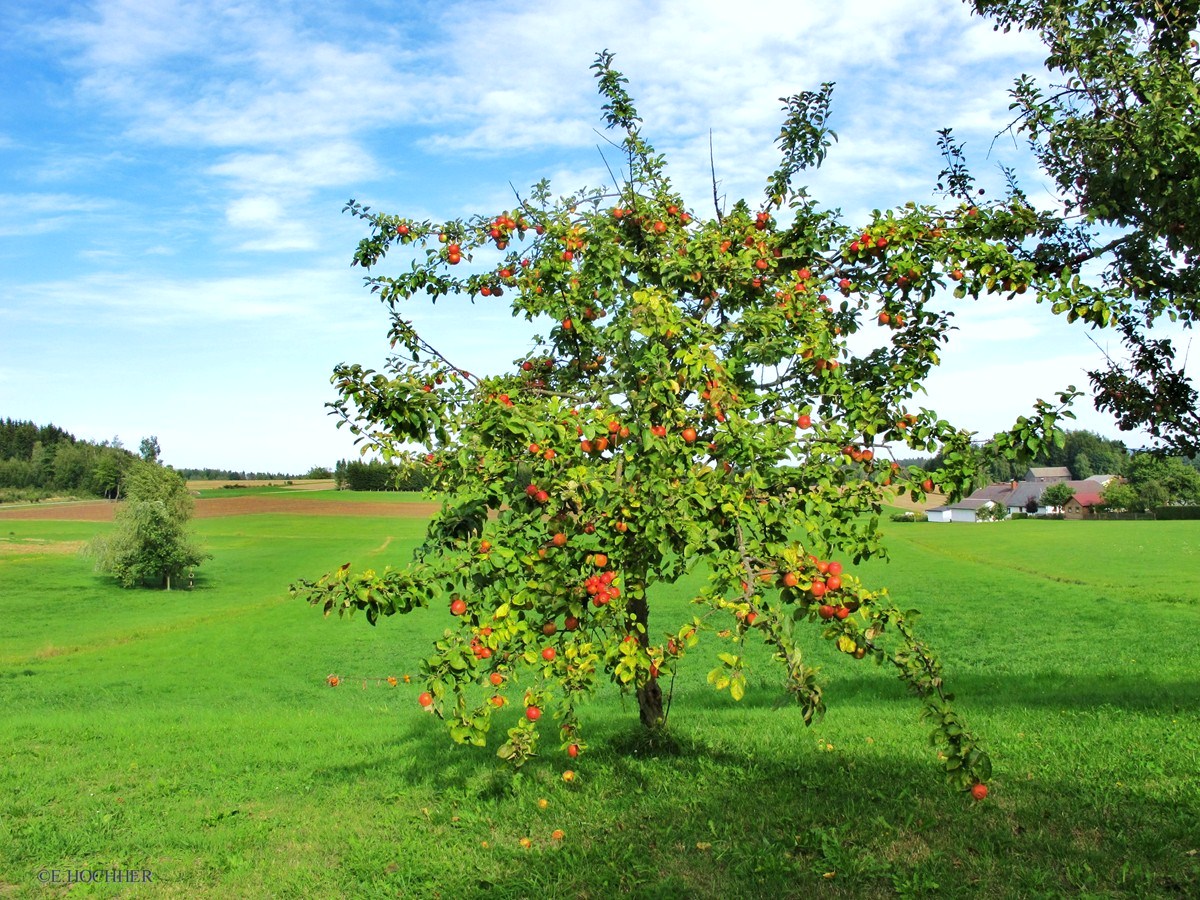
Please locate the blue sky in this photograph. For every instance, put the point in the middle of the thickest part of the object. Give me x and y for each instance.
(173, 256)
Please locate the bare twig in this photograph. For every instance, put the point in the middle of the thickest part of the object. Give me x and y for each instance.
(712, 165)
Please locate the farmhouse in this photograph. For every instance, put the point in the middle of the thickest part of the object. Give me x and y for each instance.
(1082, 506)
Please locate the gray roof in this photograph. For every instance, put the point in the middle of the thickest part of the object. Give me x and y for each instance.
(971, 502)
(1050, 472)
(1007, 495)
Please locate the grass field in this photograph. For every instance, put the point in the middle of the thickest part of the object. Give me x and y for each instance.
(192, 734)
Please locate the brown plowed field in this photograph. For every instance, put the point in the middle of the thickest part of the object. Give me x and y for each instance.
(213, 507)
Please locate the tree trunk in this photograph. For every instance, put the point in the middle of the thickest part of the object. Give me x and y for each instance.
(649, 695)
(650, 704)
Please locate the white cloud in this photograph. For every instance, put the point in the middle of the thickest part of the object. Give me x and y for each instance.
(325, 164)
(23, 215)
(143, 302)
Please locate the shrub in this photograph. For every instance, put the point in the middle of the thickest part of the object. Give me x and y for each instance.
(1177, 512)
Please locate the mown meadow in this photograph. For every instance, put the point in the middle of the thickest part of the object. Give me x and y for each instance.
(193, 734)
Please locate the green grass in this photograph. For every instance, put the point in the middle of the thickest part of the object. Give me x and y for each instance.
(192, 734)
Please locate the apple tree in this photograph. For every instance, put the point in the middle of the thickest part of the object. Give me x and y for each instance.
(715, 392)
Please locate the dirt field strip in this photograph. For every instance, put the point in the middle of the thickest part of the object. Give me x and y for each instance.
(216, 507)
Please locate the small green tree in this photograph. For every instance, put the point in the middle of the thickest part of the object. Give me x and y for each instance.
(993, 512)
(1057, 495)
(149, 450)
(1120, 496)
(150, 542)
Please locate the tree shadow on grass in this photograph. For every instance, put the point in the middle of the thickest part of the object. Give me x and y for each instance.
(691, 816)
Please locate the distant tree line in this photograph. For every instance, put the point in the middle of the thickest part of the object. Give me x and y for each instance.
(237, 475)
(40, 460)
(405, 473)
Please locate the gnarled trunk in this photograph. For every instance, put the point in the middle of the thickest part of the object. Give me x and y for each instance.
(649, 695)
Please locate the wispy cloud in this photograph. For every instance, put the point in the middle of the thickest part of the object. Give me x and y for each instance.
(142, 301)
(32, 214)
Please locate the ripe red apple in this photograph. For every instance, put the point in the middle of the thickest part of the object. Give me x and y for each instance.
(979, 791)
(573, 751)
(601, 560)
(496, 678)
(927, 485)
(804, 421)
(426, 699)
(402, 229)
(842, 612)
(791, 579)
(559, 540)
(570, 623)
(532, 713)
(834, 568)
(549, 653)
(818, 589)
(689, 435)
(826, 611)
(833, 582)
(458, 606)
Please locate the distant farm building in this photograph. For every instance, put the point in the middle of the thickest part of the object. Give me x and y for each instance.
(965, 510)
(1082, 505)
(1026, 497)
